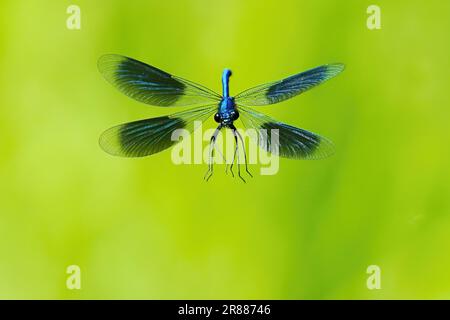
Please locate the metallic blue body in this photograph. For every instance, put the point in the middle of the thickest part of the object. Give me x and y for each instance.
(226, 112)
(225, 82)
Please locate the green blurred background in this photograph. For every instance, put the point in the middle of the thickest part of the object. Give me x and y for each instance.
(145, 228)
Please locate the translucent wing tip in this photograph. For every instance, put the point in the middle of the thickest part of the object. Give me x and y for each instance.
(324, 150)
(109, 61)
(334, 69)
(109, 141)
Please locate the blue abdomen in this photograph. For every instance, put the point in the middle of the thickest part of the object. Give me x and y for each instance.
(227, 112)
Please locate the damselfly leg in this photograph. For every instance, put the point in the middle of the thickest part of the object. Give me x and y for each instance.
(236, 152)
(237, 136)
(212, 143)
(245, 154)
(236, 156)
(232, 159)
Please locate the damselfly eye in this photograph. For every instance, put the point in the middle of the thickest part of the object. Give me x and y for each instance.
(217, 118)
(235, 115)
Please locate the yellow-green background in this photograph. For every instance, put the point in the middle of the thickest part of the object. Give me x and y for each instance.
(145, 228)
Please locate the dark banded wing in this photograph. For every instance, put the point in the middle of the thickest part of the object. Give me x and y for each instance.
(284, 140)
(150, 85)
(146, 137)
(281, 90)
